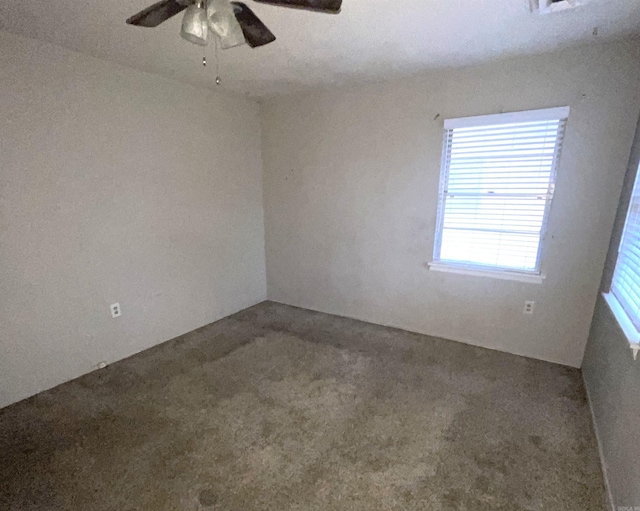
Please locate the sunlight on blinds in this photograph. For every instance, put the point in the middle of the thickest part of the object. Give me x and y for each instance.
(625, 285)
(496, 187)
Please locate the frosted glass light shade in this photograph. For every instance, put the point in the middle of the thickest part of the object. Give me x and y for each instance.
(194, 25)
(223, 22)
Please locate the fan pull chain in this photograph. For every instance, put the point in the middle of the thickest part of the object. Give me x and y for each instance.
(204, 48)
(203, 5)
(215, 42)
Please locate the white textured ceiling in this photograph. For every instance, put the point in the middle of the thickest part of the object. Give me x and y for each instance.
(369, 40)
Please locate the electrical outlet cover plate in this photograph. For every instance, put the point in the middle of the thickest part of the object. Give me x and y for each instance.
(115, 310)
(528, 307)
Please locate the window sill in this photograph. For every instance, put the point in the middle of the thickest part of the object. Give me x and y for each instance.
(496, 274)
(630, 331)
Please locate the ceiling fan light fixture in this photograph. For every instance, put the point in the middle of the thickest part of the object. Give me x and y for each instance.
(222, 21)
(194, 25)
(233, 22)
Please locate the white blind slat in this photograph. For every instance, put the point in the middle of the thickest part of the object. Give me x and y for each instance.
(625, 285)
(498, 176)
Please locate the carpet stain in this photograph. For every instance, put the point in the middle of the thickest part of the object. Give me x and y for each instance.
(207, 498)
(282, 408)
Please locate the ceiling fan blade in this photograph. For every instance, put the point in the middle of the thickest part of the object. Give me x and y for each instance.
(155, 14)
(255, 32)
(328, 6)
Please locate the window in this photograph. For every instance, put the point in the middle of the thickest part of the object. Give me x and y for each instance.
(624, 295)
(496, 186)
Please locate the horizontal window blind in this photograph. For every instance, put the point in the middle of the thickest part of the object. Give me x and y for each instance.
(496, 186)
(625, 285)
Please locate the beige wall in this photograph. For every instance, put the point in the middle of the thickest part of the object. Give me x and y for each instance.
(612, 377)
(350, 189)
(116, 185)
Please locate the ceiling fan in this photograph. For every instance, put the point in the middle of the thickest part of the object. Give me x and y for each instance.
(233, 23)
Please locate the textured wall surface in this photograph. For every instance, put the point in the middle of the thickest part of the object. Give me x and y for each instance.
(612, 376)
(351, 185)
(117, 186)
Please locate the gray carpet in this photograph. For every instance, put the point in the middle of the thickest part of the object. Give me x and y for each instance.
(279, 408)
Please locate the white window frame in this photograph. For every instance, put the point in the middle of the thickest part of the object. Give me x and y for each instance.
(624, 319)
(535, 276)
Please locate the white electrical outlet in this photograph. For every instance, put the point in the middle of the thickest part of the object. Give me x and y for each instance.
(528, 307)
(115, 310)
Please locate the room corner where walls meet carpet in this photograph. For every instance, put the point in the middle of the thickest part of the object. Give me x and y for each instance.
(278, 407)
